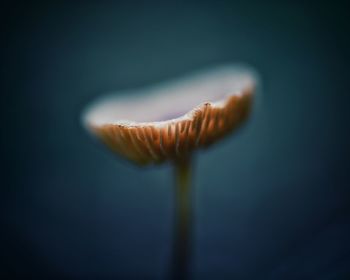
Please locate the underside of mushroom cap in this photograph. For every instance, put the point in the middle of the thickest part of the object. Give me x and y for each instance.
(171, 120)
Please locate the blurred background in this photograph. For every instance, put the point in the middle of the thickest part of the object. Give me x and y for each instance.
(271, 202)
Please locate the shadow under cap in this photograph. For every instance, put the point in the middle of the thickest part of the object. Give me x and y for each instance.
(169, 121)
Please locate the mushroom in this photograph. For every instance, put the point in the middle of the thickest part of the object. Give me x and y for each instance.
(169, 122)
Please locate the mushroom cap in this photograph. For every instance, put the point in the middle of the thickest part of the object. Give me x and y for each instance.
(170, 120)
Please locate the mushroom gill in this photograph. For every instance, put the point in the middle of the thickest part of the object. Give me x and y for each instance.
(169, 121)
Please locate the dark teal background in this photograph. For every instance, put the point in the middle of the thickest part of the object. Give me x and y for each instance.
(272, 202)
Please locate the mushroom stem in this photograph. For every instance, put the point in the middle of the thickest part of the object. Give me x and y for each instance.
(183, 221)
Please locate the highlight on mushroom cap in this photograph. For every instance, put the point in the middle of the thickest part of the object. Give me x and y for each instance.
(169, 121)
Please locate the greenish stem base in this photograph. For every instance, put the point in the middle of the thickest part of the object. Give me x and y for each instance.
(183, 222)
